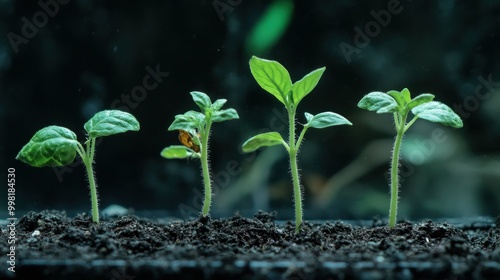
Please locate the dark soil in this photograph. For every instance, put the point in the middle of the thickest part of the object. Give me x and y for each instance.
(242, 248)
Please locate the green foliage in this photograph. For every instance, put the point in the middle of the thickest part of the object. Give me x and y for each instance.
(304, 86)
(50, 146)
(272, 77)
(380, 102)
(275, 79)
(421, 106)
(57, 146)
(194, 128)
(263, 140)
(400, 104)
(439, 113)
(110, 122)
(179, 152)
(325, 119)
(195, 123)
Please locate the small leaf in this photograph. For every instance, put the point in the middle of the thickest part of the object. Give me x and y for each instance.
(378, 101)
(272, 77)
(202, 100)
(303, 87)
(191, 120)
(195, 115)
(225, 115)
(400, 99)
(439, 113)
(325, 119)
(263, 140)
(178, 152)
(109, 122)
(181, 122)
(406, 94)
(50, 146)
(218, 104)
(421, 99)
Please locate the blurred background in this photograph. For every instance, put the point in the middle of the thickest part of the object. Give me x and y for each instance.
(62, 61)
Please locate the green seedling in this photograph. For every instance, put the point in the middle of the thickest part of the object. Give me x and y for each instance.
(194, 131)
(400, 103)
(275, 79)
(57, 146)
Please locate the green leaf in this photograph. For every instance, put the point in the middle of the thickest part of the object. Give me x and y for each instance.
(325, 119)
(421, 99)
(406, 94)
(263, 140)
(303, 87)
(225, 115)
(439, 113)
(190, 120)
(50, 146)
(202, 100)
(400, 99)
(272, 77)
(378, 101)
(218, 104)
(178, 152)
(109, 122)
(181, 122)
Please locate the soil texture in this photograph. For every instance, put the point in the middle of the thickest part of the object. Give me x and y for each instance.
(51, 245)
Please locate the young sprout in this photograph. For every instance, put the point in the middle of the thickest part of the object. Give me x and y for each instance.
(400, 103)
(57, 146)
(275, 79)
(194, 131)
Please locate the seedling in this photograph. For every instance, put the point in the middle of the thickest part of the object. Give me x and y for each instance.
(275, 79)
(400, 104)
(57, 146)
(194, 132)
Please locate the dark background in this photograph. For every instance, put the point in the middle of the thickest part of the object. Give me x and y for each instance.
(89, 54)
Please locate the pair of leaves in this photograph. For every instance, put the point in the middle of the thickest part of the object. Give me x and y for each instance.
(421, 106)
(195, 122)
(275, 79)
(212, 112)
(321, 120)
(57, 146)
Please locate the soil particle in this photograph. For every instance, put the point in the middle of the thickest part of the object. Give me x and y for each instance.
(251, 248)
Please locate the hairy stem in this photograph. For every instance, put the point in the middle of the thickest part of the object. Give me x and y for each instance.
(206, 171)
(297, 194)
(393, 210)
(88, 159)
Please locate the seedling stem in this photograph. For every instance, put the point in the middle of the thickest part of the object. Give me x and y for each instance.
(401, 104)
(207, 181)
(393, 210)
(58, 146)
(275, 79)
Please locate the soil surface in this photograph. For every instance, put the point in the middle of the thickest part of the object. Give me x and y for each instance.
(51, 245)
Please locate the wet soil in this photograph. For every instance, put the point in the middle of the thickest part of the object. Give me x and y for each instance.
(51, 245)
